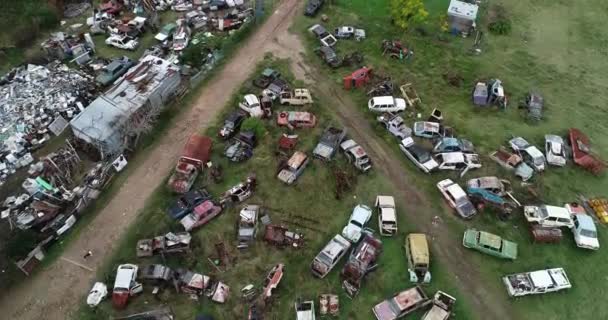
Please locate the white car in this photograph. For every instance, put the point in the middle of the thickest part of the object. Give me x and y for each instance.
(529, 153)
(251, 105)
(418, 155)
(549, 216)
(360, 216)
(122, 42)
(386, 104)
(457, 198)
(97, 294)
(554, 150)
(387, 215)
(585, 233)
(536, 282)
(458, 161)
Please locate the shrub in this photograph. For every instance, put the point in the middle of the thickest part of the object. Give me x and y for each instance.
(254, 124)
(499, 21)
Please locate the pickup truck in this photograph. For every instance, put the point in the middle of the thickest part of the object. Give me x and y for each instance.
(329, 142)
(195, 155)
(395, 125)
(549, 216)
(536, 282)
(356, 155)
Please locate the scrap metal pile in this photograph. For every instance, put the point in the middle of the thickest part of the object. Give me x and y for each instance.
(35, 102)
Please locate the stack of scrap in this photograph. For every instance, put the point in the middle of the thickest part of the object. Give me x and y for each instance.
(35, 102)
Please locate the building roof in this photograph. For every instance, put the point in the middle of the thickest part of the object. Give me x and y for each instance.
(100, 121)
(463, 10)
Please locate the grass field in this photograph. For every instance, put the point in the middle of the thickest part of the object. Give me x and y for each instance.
(312, 197)
(556, 48)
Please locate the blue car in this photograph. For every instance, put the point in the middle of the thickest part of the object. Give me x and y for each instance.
(187, 202)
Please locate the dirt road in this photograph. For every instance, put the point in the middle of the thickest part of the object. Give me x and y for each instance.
(55, 292)
(485, 303)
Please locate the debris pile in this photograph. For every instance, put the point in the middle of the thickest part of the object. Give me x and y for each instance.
(35, 102)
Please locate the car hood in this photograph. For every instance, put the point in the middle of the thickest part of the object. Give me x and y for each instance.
(466, 210)
(161, 36)
(400, 103)
(383, 311)
(556, 159)
(430, 165)
(352, 232)
(587, 242)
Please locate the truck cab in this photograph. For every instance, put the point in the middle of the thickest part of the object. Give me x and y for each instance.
(294, 167)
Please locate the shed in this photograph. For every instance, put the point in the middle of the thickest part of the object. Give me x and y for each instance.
(147, 86)
(462, 16)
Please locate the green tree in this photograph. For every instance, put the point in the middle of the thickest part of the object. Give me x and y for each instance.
(407, 12)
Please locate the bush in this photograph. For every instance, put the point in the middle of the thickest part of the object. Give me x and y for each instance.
(254, 124)
(501, 27)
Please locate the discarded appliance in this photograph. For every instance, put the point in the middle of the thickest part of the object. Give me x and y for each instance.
(462, 16)
(490, 93)
(195, 155)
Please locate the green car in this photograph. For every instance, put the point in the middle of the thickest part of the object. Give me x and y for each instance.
(490, 244)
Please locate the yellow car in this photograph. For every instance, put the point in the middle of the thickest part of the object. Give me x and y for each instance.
(600, 207)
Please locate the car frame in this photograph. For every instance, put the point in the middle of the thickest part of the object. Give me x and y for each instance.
(457, 198)
(421, 157)
(356, 223)
(490, 244)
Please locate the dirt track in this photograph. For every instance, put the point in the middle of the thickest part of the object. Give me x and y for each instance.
(56, 291)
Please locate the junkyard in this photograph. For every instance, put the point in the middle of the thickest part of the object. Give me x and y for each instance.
(316, 159)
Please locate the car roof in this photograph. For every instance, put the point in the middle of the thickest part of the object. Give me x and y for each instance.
(299, 116)
(585, 222)
(490, 240)
(453, 157)
(485, 182)
(408, 298)
(383, 100)
(361, 212)
(385, 201)
(419, 248)
(251, 99)
(335, 245)
(534, 152)
(559, 212)
(428, 126)
(456, 191)
(297, 159)
(541, 278)
(124, 275)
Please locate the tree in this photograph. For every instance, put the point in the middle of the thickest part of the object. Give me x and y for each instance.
(407, 12)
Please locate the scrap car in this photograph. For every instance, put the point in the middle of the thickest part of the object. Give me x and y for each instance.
(387, 215)
(362, 261)
(401, 304)
(251, 105)
(386, 104)
(312, 7)
(240, 148)
(395, 125)
(529, 153)
(296, 119)
(489, 244)
(585, 232)
(114, 70)
(329, 256)
(582, 154)
(125, 285)
(441, 309)
(418, 257)
(195, 155)
(458, 161)
(266, 77)
(329, 55)
(356, 155)
(456, 198)
(356, 223)
(536, 282)
(201, 215)
(548, 216)
(512, 162)
(421, 157)
(329, 143)
(239, 192)
(122, 42)
(326, 38)
(555, 151)
(296, 97)
(247, 225)
(170, 243)
(294, 167)
(449, 144)
(232, 123)
(185, 203)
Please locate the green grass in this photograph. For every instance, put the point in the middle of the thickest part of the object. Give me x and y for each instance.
(555, 48)
(312, 196)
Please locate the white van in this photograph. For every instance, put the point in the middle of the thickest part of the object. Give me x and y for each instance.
(386, 104)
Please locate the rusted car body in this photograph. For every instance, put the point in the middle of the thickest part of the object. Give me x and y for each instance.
(273, 278)
(166, 244)
(296, 119)
(195, 155)
(280, 236)
(201, 214)
(361, 261)
(581, 152)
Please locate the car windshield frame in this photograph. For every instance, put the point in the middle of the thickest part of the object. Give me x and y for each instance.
(588, 233)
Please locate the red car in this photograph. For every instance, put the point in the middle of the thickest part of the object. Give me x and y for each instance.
(296, 119)
(581, 152)
(201, 214)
